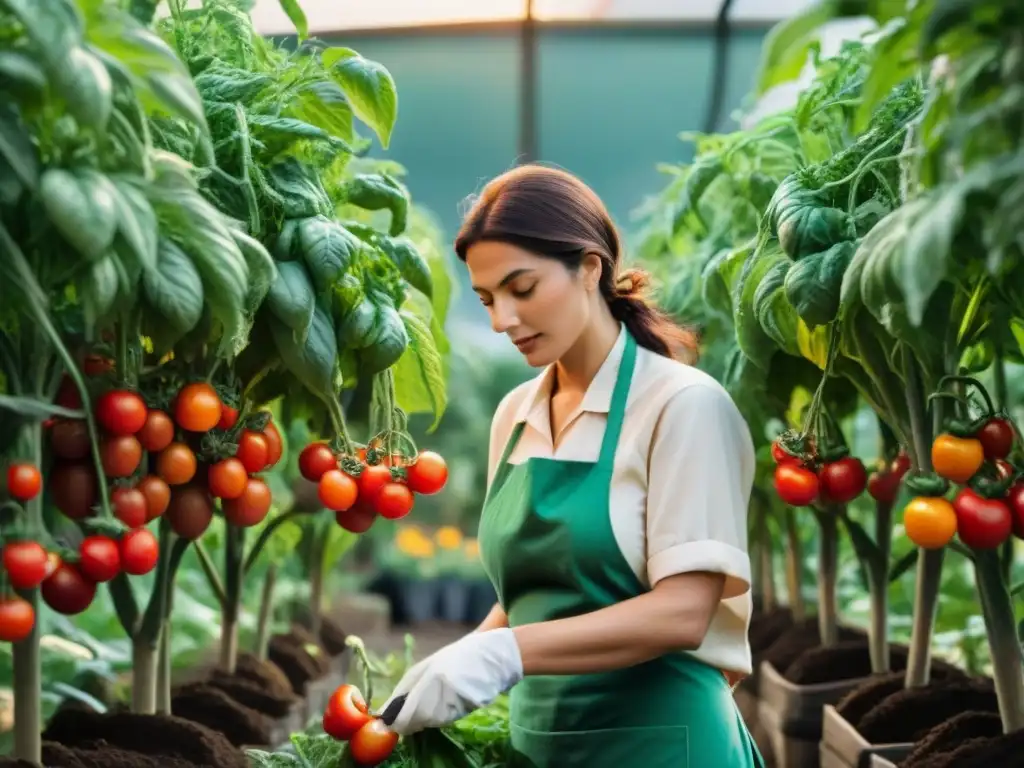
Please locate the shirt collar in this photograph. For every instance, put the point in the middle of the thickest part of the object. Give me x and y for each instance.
(597, 399)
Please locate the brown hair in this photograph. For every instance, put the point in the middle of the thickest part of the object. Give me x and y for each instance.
(553, 214)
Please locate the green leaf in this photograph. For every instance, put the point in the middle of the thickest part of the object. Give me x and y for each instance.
(297, 17)
(136, 221)
(788, 44)
(100, 288)
(21, 75)
(775, 315)
(376, 192)
(174, 288)
(54, 25)
(84, 84)
(813, 284)
(313, 363)
(323, 103)
(419, 375)
(82, 204)
(258, 758)
(17, 149)
(370, 89)
(292, 299)
(410, 263)
(40, 410)
(328, 249)
(229, 85)
(895, 60)
(300, 188)
(278, 133)
(928, 250)
(751, 339)
(261, 266)
(388, 341)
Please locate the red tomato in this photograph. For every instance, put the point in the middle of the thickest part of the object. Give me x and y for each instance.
(315, 459)
(428, 474)
(130, 507)
(796, 485)
(157, 433)
(373, 743)
(981, 523)
(900, 465)
(274, 445)
(996, 436)
(337, 490)
(394, 501)
(1015, 502)
(253, 451)
(96, 365)
(346, 712)
(66, 591)
(99, 559)
(176, 464)
(158, 496)
(74, 489)
(197, 407)
(25, 563)
(372, 479)
(23, 481)
(884, 486)
(120, 412)
(844, 480)
(69, 439)
(139, 552)
(16, 619)
(251, 507)
(121, 455)
(358, 518)
(228, 417)
(780, 455)
(227, 479)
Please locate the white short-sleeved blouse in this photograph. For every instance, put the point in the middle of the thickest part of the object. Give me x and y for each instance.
(681, 482)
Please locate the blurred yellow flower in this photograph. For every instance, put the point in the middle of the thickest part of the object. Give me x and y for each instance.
(411, 541)
(448, 537)
(472, 548)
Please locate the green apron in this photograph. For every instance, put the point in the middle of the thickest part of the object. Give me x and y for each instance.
(548, 547)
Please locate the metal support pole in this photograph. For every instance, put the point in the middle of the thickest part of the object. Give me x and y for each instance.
(528, 86)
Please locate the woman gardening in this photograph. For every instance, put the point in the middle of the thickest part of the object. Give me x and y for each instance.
(614, 529)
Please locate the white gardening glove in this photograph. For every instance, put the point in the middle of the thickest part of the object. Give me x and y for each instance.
(463, 676)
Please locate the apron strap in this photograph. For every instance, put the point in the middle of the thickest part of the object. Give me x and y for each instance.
(617, 407)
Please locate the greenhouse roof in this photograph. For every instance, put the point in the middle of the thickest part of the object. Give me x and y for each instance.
(336, 16)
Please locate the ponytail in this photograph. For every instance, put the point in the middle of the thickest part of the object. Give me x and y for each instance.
(651, 327)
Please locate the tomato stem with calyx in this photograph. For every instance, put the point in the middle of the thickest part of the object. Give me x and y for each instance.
(929, 561)
(969, 380)
(369, 669)
(337, 414)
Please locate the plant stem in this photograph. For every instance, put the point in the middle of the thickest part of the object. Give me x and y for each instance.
(878, 632)
(27, 682)
(144, 674)
(210, 571)
(266, 606)
(163, 673)
(828, 549)
(316, 581)
(234, 560)
(794, 562)
(929, 561)
(1000, 626)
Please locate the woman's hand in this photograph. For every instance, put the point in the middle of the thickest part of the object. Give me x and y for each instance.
(463, 676)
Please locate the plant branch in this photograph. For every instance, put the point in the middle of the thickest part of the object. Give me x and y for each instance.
(1001, 628)
(210, 571)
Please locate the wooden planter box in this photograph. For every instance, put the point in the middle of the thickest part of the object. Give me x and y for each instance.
(791, 715)
(842, 746)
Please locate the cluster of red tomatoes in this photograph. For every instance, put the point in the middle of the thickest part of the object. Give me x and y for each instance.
(801, 481)
(347, 718)
(980, 520)
(359, 492)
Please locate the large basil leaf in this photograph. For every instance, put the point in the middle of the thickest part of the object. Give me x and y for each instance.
(82, 205)
(314, 362)
(813, 283)
(291, 298)
(389, 339)
(379, 192)
(174, 289)
(369, 87)
(420, 383)
(412, 266)
(328, 249)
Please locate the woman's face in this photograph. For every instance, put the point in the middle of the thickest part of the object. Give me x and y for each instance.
(541, 305)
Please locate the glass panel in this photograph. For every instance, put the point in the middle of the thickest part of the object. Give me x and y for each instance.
(667, 10)
(336, 15)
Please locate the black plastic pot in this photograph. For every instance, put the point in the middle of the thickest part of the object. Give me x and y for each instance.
(481, 598)
(418, 599)
(453, 598)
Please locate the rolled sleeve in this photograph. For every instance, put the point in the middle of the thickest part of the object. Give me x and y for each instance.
(700, 477)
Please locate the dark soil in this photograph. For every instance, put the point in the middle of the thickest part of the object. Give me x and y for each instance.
(909, 714)
(793, 642)
(252, 694)
(869, 694)
(291, 653)
(1000, 751)
(210, 706)
(953, 734)
(102, 755)
(266, 673)
(159, 735)
(765, 628)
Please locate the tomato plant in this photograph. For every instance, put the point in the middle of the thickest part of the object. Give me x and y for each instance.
(428, 474)
(372, 479)
(74, 489)
(23, 481)
(275, 447)
(228, 417)
(120, 412)
(139, 552)
(337, 490)
(158, 495)
(190, 511)
(99, 559)
(358, 518)
(25, 563)
(197, 407)
(996, 437)
(69, 439)
(16, 619)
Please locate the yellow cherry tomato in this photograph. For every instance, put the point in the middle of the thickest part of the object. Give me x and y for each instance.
(929, 522)
(957, 458)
